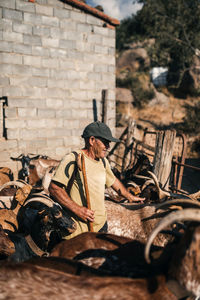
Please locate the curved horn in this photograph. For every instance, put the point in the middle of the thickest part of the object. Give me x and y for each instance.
(162, 194)
(195, 195)
(15, 182)
(47, 201)
(182, 202)
(132, 183)
(148, 182)
(141, 176)
(188, 214)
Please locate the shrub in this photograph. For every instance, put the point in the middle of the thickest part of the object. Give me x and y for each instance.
(141, 95)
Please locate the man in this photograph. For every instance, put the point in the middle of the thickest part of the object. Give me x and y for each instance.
(97, 138)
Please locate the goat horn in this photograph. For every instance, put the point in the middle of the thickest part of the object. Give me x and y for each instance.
(47, 202)
(15, 182)
(132, 183)
(161, 194)
(188, 214)
(141, 176)
(148, 182)
(182, 202)
(195, 195)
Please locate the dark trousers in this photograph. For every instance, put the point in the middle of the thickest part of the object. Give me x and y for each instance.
(104, 228)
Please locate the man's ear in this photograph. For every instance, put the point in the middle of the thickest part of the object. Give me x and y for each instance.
(91, 140)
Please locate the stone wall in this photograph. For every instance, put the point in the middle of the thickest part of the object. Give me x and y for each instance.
(55, 59)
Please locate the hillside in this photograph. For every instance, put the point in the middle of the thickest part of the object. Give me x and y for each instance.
(163, 111)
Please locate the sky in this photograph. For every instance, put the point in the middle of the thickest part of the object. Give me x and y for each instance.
(118, 9)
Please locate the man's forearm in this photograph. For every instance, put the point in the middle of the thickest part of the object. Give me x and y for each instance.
(61, 196)
(122, 191)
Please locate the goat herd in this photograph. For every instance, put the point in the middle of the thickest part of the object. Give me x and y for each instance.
(151, 250)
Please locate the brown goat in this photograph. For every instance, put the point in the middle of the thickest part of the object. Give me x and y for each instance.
(17, 280)
(136, 222)
(40, 168)
(6, 175)
(6, 245)
(8, 215)
(64, 265)
(88, 240)
(109, 253)
(184, 266)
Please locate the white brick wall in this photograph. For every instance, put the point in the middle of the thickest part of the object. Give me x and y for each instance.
(55, 59)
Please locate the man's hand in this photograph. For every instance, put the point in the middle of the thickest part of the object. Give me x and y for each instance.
(84, 213)
(63, 198)
(122, 191)
(132, 198)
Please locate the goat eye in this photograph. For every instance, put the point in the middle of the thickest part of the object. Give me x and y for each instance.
(58, 215)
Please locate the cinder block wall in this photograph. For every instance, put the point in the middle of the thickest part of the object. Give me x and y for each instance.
(55, 59)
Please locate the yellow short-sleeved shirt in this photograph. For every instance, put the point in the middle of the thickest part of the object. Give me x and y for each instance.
(98, 177)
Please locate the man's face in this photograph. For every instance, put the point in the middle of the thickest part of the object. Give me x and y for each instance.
(100, 147)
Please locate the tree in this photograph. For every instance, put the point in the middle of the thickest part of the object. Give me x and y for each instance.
(175, 26)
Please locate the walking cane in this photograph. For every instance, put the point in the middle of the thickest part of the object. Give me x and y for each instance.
(86, 189)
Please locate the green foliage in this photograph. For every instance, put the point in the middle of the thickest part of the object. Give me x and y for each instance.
(175, 27)
(141, 96)
(192, 119)
(130, 30)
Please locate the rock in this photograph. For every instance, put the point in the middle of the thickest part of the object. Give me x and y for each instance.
(159, 99)
(124, 106)
(132, 60)
(124, 95)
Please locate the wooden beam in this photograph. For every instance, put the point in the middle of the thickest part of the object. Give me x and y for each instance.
(163, 156)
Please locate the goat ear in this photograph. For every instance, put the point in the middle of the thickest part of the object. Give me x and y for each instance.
(41, 212)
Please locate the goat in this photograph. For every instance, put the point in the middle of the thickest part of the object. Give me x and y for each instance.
(17, 279)
(13, 183)
(137, 180)
(6, 175)
(61, 221)
(41, 168)
(184, 266)
(65, 265)
(34, 168)
(25, 161)
(142, 166)
(8, 214)
(113, 254)
(88, 240)
(21, 215)
(41, 226)
(6, 245)
(163, 194)
(134, 221)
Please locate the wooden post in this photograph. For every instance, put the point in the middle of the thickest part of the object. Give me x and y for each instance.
(94, 104)
(128, 142)
(163, 156)
(105, 106)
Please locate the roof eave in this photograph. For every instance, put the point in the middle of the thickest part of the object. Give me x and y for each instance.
(93, 11)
